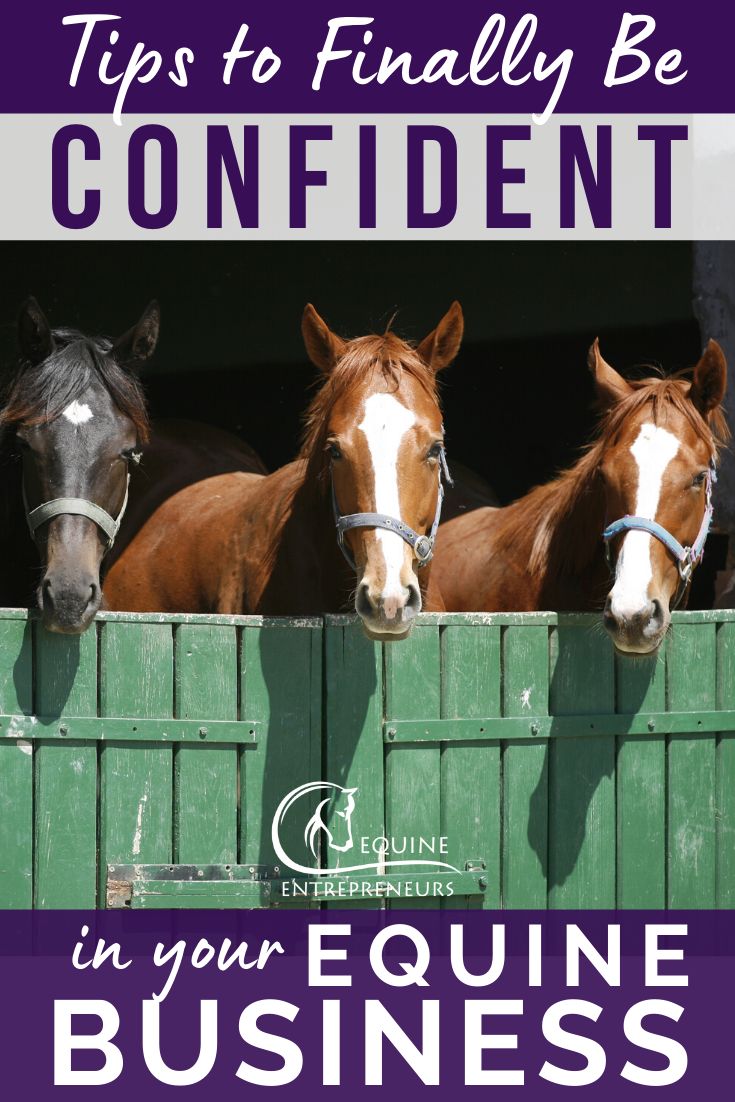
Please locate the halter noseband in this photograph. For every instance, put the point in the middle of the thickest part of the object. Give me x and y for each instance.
(78, 506)
(686, 557)
(422, 546)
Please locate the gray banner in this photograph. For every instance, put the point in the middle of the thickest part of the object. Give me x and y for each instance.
(702, 179)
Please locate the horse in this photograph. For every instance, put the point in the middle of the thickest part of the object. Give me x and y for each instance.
(355, 513)
(649, 470)
(75, 423)
(179, 453)
(77, 414)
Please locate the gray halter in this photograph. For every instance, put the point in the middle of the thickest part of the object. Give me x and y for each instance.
(422, 546)
(76, 506)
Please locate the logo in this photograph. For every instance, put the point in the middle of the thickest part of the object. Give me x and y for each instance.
(330, 827)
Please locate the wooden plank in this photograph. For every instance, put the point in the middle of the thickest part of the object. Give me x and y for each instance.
(588, 621)
(136, 781)
(205, 777)
(16, 768)
(470, 772)
(725, 772)
(525, 770)
(353, 749)
(641, 787)
(581, 772)
(691, 685)
(531, 729)
(66, 773)
(281, 688)
(129, 730)
(413, 773)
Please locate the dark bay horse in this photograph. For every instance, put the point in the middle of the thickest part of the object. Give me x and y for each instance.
(653, 461)
(71, 433)
(75, 413)
(372, 450)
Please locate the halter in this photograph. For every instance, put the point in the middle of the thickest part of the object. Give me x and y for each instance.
(422, 546)
(686, 557)
(80, 507)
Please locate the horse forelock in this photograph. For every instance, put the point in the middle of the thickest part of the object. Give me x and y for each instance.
(665, 393)
(547, 508)
(385, 357)
(38, 394)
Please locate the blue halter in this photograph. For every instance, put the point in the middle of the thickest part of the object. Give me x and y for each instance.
(686, 557)
(422, 546)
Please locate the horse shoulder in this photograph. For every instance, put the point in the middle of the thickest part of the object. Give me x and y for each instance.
(473, 569)
(180, 454)
(177, 561)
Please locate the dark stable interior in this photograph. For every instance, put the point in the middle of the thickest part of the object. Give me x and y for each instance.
(518, 401)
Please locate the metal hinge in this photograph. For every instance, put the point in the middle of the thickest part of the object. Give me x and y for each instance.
(249, 886)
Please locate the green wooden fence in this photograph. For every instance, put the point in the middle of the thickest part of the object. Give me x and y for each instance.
(142, 763)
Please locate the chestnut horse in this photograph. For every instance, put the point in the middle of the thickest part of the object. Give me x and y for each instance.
(71, 434)
(649, 470)
(371, 463)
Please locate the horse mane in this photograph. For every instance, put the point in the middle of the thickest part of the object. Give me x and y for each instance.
(39, 394)
(546, 509)
(315, 825)
(385, 354)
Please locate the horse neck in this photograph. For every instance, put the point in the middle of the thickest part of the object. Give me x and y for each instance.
(556, 529)
(304, 563)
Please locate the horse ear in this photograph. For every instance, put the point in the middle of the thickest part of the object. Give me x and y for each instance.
(710, 379)
(611, 386)
(139, 343)
(442, 344)
(323, 347)
(34, 333)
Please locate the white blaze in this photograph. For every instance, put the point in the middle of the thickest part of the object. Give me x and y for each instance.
(78, 413)
(385, 423)
(653, 450)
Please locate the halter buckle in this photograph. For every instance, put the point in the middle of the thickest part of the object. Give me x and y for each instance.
(686, 565)
(422, 549)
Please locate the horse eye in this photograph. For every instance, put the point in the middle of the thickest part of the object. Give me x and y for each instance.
(698, 479)
(435, 450)
(333, 450)
(133, 454)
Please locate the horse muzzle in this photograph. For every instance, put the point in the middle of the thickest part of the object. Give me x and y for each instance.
(636, 631)
(68, 605)
(387, 616)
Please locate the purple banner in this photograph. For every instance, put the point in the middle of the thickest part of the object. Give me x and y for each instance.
(399, 57)
(608, 1002)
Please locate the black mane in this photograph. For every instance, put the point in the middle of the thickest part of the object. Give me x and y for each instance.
(38, 394)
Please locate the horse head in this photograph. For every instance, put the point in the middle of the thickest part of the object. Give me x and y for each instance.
(337, 808)
(375, 433)
(79, 419)
(658, 455)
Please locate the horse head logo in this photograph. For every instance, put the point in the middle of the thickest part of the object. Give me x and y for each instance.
(342, 804)
(331, 819)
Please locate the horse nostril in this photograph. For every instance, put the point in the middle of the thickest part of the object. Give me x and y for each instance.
(47, 594)
(93, 593)
(364, 606)
(657, 614)
(413, 603)
(608, 617)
